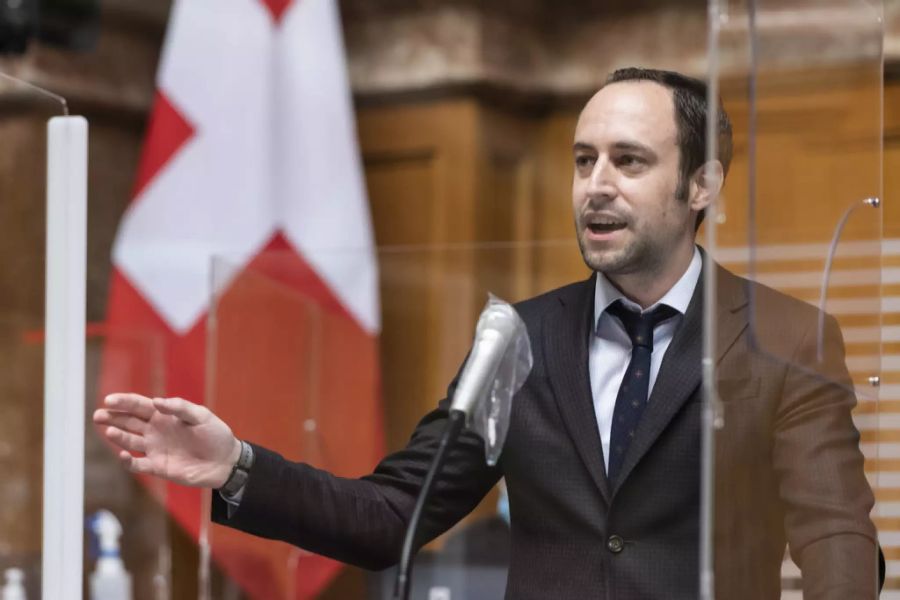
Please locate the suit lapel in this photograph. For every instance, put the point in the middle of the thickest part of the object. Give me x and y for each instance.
(731, 318)
(566, 338)
(681, 371)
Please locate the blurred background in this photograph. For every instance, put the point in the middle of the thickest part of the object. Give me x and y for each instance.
(464, 114)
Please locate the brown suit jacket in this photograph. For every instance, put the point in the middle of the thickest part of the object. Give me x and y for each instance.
(789, 466)
(788, 469)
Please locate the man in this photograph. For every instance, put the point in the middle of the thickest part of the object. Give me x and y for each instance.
(603, 452)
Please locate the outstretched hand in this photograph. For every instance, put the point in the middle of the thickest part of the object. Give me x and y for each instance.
(169, 438)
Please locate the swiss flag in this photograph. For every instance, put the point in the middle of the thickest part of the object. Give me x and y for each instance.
(250, 203)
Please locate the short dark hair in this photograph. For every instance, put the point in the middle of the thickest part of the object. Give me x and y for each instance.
(690, 99)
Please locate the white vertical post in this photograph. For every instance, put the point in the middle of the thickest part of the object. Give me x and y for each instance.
(64, 408)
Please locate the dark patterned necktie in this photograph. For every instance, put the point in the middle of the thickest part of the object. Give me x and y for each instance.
(632, 396)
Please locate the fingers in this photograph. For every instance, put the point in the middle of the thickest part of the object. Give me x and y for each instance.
(122, 421)
(137, 405)
(144, 408)
(137, 464)
(125, 440)
(190, 413)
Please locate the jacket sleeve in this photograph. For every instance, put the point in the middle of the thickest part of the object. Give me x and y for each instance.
(817, 457)
(362, 521)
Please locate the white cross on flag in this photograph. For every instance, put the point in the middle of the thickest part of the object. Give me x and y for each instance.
(251, 155)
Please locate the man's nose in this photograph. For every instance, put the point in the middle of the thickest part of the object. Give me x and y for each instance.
(601, 184)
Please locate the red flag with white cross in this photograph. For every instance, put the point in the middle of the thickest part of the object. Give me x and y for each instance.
(251, 155)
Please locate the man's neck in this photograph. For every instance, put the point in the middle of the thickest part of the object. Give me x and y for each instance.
(647, 287)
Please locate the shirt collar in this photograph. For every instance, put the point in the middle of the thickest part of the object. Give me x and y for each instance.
(678, 296)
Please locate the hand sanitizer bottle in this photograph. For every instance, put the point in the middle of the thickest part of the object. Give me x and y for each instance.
(14, 588)
(110, 580)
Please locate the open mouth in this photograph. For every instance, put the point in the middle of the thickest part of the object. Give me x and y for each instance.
(602, 227)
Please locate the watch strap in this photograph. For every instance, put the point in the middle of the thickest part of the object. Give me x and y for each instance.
(240, 472)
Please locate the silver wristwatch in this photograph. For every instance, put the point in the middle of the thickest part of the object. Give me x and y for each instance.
(239, 472)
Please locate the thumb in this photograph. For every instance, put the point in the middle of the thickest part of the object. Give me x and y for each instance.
(186, 411)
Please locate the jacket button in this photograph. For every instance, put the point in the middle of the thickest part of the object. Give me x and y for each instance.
(615, 544)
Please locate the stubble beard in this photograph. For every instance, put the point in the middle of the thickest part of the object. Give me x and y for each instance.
(639, 255)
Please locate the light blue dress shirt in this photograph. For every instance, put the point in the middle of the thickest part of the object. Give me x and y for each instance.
(610, 348)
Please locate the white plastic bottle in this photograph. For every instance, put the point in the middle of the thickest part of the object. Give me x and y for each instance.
(14, 588)
(110, 580)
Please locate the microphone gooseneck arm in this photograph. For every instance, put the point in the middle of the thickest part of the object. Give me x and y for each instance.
(496, 327)
(873, 202)
(455, 423)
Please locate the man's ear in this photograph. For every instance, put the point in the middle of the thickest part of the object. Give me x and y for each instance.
(706, 183)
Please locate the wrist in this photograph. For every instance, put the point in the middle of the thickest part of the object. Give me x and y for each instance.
(234, 456)
(223, 471)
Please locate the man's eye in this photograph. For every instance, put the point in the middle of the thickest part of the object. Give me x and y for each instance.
(630, 160)
(584, 161)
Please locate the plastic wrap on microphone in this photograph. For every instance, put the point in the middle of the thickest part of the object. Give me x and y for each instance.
(498, 364)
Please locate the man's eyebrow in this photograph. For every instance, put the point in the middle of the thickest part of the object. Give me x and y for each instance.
(583, 147)
(633, 147)
(627, 146)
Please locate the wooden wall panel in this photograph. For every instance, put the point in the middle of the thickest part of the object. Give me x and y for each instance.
(420, 169)
(504, 215)
(557, 260)
(452, 186)
(891, 164)
(398, 218)
(817, 152)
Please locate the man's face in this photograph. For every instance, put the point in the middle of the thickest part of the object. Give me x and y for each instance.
(627, 217)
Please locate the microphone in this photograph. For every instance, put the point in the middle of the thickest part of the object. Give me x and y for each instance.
(495, 329)
(497, 326)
